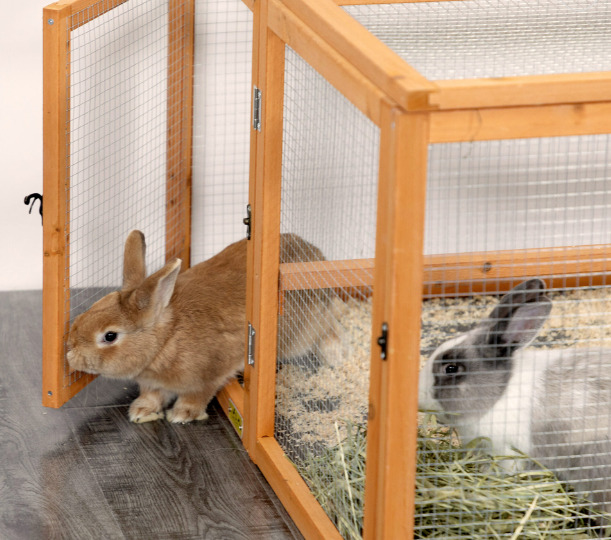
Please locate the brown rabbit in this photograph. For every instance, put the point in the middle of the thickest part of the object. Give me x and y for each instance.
(182, 335)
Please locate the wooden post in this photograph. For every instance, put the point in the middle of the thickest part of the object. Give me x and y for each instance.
(179, 129)
(264, 247)
(393, 406)
(56, 140)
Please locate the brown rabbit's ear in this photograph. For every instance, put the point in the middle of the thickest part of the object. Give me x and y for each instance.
(134, 268)
(155, 292)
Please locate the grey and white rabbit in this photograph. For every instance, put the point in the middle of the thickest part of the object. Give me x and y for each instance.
(552, 404)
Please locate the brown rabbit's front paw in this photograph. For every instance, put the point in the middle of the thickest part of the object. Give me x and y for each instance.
(142, 410)
(184, 411)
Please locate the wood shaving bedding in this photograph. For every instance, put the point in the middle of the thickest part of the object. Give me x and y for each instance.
(312, 395)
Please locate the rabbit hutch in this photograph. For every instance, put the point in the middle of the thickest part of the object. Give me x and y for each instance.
(438, 153)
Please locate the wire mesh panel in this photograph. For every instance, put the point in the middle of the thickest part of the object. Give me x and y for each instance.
(494, 38)
(221, 127)
(515, 443)
(126, 145)
(328, 215)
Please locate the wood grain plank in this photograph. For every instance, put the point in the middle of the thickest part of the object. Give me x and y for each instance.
(383, 67)
(474, 272)
(59, 385)
(87, 472)
(191, 481)
(260, 379)
(44, 491)
(391, 445)
(294, 492)
(326, 274)
(498, 271)
(343, 75)
(368, 2)
(179, 130)
(249, 437)
(55, 142)
(521, 122)
(523, 90)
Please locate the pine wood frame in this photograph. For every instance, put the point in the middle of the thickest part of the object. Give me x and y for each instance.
(57, 19)
(411, 112)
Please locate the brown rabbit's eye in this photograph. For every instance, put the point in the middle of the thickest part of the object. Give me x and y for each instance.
(109, 337)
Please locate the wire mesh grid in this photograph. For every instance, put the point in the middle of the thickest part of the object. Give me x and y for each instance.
(329, 189)
(494, 38)
(517, 445)
(221, 130)
(119, 156)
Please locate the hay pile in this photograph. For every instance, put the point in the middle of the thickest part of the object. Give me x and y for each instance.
(460, 492)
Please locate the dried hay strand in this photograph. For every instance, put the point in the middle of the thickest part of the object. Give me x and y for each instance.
(460, 491)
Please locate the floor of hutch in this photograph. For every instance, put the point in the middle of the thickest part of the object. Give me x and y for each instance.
(84, 471)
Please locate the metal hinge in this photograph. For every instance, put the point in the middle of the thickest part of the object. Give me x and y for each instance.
(235, 418)
(256, 108)
(248, 221)
(383, 341)
(251, 345)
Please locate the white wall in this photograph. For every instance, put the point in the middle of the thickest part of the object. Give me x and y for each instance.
(20, 144)
(220, 166)
(486, 202)
(221, 125)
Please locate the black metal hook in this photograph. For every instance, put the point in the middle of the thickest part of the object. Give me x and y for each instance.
(33, 197)
(383, 341)
(248, 221)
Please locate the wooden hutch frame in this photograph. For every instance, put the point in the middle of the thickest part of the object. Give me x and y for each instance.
(411, 112)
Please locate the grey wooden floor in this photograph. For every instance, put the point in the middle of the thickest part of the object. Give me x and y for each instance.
(84, 471)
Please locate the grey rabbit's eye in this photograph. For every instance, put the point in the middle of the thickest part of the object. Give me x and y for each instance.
(453, 369)
(109, 337)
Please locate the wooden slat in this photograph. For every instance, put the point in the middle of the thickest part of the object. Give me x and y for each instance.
(56, 389)
(357, 88)
(391, 444)
(249, 438)
(259, 36)
(293, 492)
(374, 466)
(492, 272)
(260, 379)
(523, 90)
(179, 130)
(383, 67)
(521, 122)
(231, 396)
(231, 391)
(465, 272)
(55, 138)
(81, 12)
(367, 2)
(326, 274)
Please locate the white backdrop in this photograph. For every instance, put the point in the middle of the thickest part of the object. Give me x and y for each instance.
(488, 202)
(20, 144)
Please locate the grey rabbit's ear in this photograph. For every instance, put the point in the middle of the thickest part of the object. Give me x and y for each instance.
(134, 267)
(518, 317)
